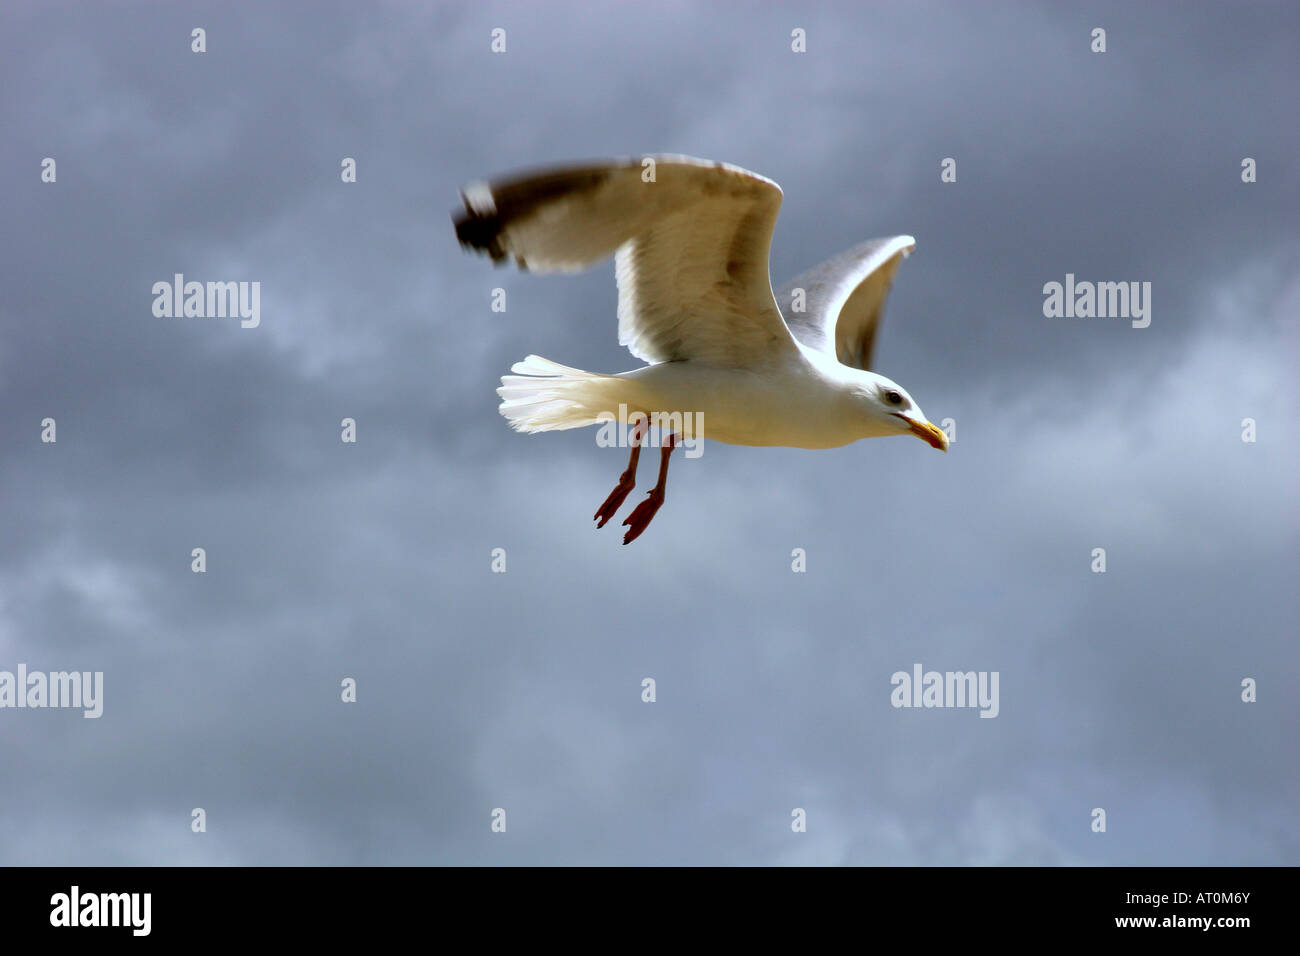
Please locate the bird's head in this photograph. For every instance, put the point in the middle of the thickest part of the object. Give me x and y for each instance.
(891, 410)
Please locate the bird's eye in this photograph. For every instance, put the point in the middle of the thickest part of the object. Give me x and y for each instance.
(893, 397)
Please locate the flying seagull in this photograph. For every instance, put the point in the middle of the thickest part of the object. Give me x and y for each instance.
(690, 241)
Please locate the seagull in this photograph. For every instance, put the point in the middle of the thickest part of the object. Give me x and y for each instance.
(725, 354)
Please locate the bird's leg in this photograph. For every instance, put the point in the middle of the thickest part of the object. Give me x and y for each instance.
(640, 517)
(626, 481)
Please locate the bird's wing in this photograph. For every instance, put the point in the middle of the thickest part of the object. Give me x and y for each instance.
(843, 299)
(690, 239)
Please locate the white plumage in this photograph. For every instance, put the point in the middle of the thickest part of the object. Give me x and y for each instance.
(691, 241)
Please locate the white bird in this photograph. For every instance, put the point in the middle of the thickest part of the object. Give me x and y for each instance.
(690, 240)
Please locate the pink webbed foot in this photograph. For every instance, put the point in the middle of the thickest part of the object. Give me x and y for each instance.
(640, 517)
(626, 482)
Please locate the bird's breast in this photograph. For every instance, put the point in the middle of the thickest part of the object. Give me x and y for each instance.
(772, 406)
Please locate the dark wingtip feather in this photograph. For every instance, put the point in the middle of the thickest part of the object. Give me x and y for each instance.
(480, 233)
(516, 198)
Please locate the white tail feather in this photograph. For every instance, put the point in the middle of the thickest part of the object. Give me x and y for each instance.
(544, 396)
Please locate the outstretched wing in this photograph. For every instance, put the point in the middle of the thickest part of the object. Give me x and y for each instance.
(691, 239)
(844, 298)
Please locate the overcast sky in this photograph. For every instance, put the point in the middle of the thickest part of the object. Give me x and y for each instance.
(522, 691)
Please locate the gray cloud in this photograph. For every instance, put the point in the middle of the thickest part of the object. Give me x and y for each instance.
(522, 690)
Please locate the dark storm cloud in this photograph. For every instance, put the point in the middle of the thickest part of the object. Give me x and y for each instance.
(522, 690)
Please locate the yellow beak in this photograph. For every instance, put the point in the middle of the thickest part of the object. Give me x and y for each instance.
(929, 433)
